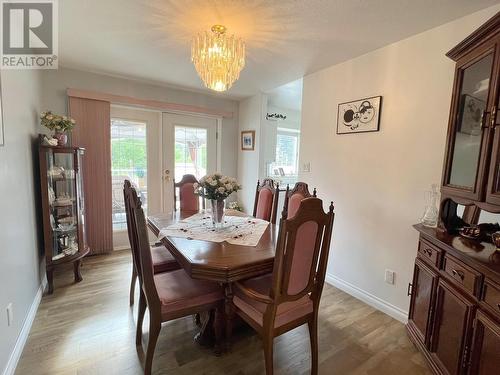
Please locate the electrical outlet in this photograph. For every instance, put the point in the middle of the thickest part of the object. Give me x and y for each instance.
(306, 167)
(10, 314)
(389, 276)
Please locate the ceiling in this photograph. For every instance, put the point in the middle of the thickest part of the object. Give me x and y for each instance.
(287, 96)
(287, 39)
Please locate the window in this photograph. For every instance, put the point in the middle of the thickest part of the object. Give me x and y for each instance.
(286, 163)
(190, 152)
(128, 161)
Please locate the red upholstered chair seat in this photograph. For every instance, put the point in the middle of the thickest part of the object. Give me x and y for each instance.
(177, 292)
(287, 311)
(293, 204)
(189, 201)
(265, 205)
(163, 261)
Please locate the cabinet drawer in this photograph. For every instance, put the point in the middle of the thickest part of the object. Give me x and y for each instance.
(491, 295)
(429, 253)
(462, 274)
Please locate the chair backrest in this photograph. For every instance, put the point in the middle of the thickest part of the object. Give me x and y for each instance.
(294, 197)
(266, 200)
(302, 252)
(188, 200)
(146, 262)
(132, 201)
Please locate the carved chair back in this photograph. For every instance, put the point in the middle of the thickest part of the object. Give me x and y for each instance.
(301, 255)
(188, 200)
(132, 201)
(146, 263)
(294, 197)
(266, 200)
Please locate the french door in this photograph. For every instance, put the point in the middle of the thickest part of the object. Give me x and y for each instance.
(190, 147)
(151, 149)
(135, 146)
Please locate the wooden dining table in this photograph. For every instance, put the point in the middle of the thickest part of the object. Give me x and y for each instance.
(221, 262)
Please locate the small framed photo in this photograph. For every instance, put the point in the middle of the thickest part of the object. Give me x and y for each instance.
(359, 116)
(248, 140)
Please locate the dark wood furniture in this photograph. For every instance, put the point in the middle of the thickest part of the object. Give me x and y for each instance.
(454, 316)
(289, 297)
(188, 200)
(169, 295)
(162, 260)
(63, 208)
(294, 196)
(221, 262)
(266, 200)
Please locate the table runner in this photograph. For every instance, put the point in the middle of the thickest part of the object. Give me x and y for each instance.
(238, 230)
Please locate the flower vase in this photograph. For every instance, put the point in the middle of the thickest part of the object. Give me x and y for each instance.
(218, 213)
(62, 138)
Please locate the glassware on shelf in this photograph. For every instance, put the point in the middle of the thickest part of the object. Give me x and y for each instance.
(431, 213)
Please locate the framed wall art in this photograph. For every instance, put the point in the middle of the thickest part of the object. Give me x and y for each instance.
(359, 116)
(248, 140)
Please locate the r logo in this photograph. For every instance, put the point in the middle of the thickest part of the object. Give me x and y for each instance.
(27, 28)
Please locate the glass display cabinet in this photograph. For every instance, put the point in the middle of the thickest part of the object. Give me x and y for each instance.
(63, 208)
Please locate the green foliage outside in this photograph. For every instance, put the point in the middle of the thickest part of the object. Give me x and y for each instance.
(128, 153)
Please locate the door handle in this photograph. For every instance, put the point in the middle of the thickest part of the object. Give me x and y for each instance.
(166, 175)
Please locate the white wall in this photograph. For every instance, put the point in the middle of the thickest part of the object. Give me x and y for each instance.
(250, 118)
(55, 83)
(377, 180)
(20, 274)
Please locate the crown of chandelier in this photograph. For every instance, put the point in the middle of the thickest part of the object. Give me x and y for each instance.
(218, 59)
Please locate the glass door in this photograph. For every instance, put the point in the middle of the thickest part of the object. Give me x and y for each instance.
(135, 151)
(493, 192)
(468, 141)
(190, 147)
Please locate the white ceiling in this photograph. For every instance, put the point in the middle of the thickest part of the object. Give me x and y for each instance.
(287, 96)
(286, 39)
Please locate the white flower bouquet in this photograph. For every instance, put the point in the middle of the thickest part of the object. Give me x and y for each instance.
(216, 186)
(58, 123)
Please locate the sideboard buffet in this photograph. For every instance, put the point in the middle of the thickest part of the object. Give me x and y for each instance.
(454, 316)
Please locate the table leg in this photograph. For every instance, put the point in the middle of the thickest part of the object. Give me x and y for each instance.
(206, 336)
(229, 313)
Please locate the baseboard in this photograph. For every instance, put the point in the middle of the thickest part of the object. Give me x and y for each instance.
(25, 331)
(368, 298)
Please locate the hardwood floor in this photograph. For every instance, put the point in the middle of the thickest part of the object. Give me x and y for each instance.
(88, 328)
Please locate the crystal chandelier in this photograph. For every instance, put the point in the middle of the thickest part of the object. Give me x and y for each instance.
(218, 59)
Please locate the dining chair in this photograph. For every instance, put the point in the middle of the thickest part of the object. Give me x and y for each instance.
(163, 261)
(295, 196)
(266, 200)
(170, 295)
(188, 200)
(289, 297)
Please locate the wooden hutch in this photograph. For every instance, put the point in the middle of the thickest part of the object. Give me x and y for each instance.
(63, 208)
(454, 316)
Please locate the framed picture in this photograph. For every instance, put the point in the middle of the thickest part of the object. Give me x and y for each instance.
(359, 116)
(471, 111)
(248, 140)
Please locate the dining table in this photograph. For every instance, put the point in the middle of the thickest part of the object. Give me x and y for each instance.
(222, 262)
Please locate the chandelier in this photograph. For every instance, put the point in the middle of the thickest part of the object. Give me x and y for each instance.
(218, 59)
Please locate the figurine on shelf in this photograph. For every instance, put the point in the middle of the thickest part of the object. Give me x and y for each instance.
(431, 213)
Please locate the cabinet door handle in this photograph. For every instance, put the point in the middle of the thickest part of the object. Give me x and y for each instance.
(458, 273)
(429, 252)
(493, 118)
(482, 121)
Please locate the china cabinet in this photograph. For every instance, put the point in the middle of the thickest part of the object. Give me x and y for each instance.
(63, 208)
(454, 316)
